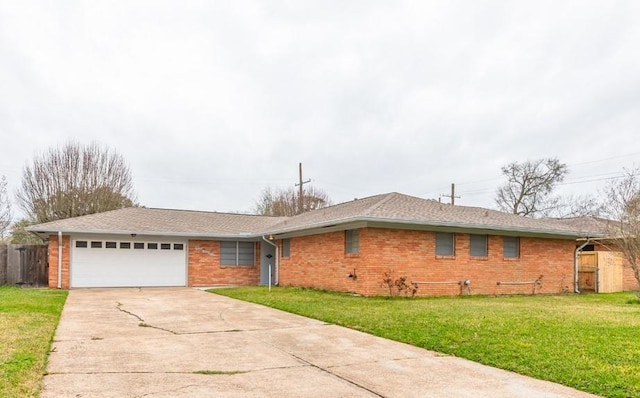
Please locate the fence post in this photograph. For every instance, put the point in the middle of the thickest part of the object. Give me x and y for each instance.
(3, 263)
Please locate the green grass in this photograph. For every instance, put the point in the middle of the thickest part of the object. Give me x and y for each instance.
(589, 342)
(28, 319)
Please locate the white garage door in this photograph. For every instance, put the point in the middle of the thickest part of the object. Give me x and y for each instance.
(111, 262)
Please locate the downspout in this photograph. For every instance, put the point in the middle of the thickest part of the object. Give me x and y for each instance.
(59, 259)
(277, 270)
(576, 288)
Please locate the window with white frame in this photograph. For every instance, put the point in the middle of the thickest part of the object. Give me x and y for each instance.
(352, 241)
(237, 253)
(445, 244)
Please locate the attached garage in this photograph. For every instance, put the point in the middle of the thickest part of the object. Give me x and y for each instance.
(121, 261)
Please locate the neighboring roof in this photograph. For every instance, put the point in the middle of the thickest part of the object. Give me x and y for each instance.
(589, 226)
(393, 209)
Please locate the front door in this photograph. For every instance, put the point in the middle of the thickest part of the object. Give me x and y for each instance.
(267, 262)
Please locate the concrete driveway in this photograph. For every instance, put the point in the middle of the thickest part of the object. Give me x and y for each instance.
(180, 342)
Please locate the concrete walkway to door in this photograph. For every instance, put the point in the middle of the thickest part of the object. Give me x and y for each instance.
(180, 342)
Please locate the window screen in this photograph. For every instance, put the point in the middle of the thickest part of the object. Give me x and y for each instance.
(286, 247)
(444, 244)
(478, 245)
(511, 247)
(352, 241)
(245, 253)
(237, 253)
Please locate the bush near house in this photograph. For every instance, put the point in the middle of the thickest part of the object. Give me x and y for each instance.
(588, 342)
(28, 319)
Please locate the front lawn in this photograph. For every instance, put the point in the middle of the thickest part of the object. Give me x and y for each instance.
(589, 342)
(28, 319)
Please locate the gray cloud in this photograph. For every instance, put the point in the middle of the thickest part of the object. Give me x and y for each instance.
(211, 102)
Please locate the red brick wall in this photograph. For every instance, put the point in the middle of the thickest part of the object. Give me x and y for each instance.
(205, 269)
(319, 261)
(53, 261)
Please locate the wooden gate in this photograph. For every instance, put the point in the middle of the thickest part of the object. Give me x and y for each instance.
(588, 272)
(26, 265)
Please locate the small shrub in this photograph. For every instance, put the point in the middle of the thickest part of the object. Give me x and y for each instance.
(399, 286)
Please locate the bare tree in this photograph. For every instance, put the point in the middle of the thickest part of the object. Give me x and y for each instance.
(5, 209)
(622, 207)
(576, 206)
(529, 187)
(19, 234)
(285, 202)
(75, 180)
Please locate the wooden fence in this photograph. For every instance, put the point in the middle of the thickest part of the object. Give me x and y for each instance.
(600, 272)
(24, 265)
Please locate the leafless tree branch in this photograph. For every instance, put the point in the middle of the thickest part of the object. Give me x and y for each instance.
(284, 202)
(622, 207)
(529, 187)
(73, 180)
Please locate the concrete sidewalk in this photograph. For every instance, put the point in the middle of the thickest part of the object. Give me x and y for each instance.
(180, 342)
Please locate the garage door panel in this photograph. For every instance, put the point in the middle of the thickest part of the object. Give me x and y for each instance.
(116, 267)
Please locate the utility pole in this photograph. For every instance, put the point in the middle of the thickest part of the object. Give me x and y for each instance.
(301, 192)
(452, 195)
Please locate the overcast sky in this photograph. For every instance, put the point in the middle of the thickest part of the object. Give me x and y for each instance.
(212, 101)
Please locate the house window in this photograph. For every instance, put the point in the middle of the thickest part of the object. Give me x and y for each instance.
(511, 247)
(111, 245)
(81, 243)
(178, 246)
(152, 246)
(165, 246)
(478, 245)
(138, 245)
(286, 247)
(445, 244)
(125, 245)
(237, 253)
(352, 241)
(96, 245)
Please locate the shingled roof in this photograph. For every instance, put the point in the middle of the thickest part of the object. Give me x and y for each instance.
(387, 209)
(151, 221)
(396, 208)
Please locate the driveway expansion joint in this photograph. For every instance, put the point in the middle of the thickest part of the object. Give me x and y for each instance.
(328, 371)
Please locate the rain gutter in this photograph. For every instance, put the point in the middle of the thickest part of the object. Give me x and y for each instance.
(576, 255)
